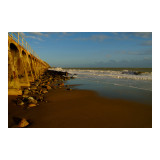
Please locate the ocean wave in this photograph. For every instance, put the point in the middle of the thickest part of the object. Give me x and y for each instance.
(125, 74)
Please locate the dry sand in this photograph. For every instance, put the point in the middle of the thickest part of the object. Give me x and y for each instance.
(81, 109)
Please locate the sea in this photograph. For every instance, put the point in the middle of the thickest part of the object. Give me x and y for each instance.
(134, 84)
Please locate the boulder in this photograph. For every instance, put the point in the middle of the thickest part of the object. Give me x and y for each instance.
(32, 100)
(23, 123)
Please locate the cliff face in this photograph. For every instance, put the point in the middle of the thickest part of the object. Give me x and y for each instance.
(23, 67)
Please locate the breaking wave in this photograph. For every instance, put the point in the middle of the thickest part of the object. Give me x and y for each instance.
(125, 74)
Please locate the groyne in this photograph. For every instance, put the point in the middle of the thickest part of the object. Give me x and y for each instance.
(23, 64)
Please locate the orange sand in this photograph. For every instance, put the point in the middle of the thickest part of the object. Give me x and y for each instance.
(81, 109)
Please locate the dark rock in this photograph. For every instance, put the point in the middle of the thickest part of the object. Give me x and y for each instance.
(32, 100)
(23, 123)
(69, 89)
(33, 87)
(20, 102)
(44, 90)
(26, 92)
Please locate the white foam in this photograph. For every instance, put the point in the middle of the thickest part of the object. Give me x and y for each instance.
(110, 73)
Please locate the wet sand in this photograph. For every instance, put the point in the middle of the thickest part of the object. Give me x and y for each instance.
(81, 109)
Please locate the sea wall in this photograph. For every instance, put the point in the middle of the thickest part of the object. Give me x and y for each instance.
(23, 67)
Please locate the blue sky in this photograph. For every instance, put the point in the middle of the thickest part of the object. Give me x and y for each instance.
(92, 49)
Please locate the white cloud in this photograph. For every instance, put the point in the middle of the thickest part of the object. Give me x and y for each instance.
(127, 35)
(147, 43)
(142, 34)
(34, 37)
(39, 34)
(140, 52)
(94, 38)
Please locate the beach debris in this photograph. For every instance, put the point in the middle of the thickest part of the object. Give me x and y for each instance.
(23, 123)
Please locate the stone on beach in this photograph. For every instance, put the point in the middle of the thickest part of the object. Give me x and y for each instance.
(37, 90)
(25, 96)
(44, 90)
(48, 87)
(69, 89)
(32, 100)
(33, 87)
(26, 92)
(23, 123)
(20, 102)
(31, 105)
(61, 85)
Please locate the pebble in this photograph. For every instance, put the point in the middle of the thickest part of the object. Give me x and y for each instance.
(31, 105)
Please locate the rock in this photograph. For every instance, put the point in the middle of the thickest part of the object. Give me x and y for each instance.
(36, 83)
(25, 96)
(33, 87)
(20, 102)
(31, 105)
(44, 90)
(23, 123)
(48, 87)
(32, 100)
(26, 92)
(38, 97)
(61, 84)
(69, 89)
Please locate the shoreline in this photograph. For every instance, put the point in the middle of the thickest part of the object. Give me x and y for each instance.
(81, 109)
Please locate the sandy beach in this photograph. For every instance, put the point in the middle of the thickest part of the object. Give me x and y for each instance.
(81, 109)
